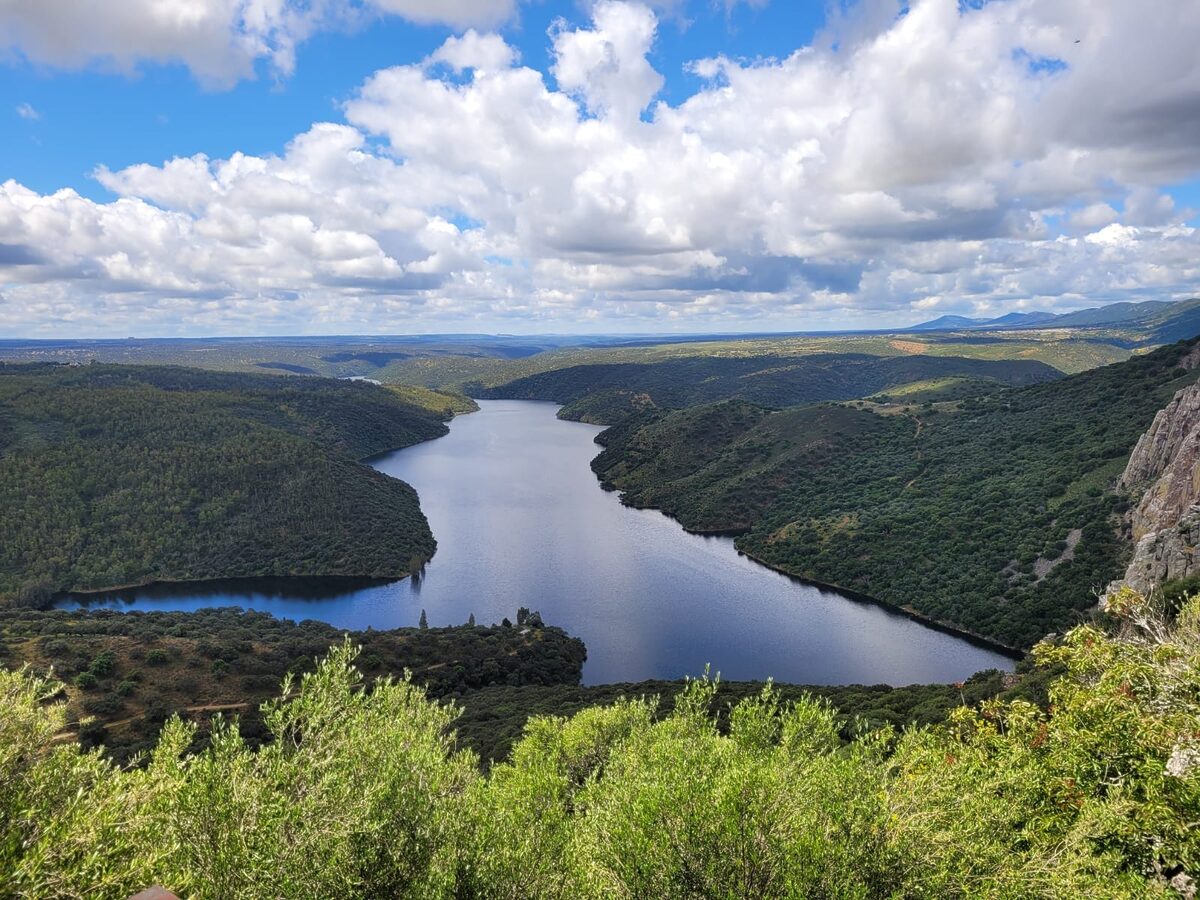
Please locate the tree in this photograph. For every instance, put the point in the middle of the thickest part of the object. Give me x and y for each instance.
(424, 623)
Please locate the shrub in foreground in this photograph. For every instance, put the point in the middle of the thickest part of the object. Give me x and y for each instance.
(363, 793)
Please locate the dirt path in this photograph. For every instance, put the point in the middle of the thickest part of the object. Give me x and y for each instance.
(121, 723)
(920, 455)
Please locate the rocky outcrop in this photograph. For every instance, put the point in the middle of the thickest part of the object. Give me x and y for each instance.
(1164, 555)
(1164, 465)
(1165, 468)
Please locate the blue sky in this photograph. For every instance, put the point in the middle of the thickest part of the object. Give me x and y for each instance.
(96, 117)
(382, 166)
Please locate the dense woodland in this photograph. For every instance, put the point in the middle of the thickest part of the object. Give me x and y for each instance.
(366, 793)
(767, 380)
(112, 475)
(968, 512)
(126, 673)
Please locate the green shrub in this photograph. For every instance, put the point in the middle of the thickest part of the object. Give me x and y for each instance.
(85, 681)
(362, 793)
(104, 664)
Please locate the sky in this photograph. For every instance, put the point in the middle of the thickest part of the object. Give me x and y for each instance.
(260, 167)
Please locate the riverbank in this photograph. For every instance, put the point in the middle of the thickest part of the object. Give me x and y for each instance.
(966, 634)
(308, 585)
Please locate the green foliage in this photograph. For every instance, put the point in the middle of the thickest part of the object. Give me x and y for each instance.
(112, 475)
(230, 660)
(494, 717)
(606, 406)
(444, 403)
(362, 793)
(962, 515)
(85, 681)
(104, 664)
(601, 390)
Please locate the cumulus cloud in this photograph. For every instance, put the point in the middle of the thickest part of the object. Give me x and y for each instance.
(940, 157)
(475, 51)
(219, 40)
(25, 111)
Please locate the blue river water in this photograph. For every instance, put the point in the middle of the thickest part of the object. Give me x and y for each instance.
(521, 520)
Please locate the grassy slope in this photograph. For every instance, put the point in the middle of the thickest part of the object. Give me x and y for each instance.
(442, 403)
(113, 475)
(941, 511)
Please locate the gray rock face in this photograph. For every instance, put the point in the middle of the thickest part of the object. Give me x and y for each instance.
(1163, 555)
(1165, 467)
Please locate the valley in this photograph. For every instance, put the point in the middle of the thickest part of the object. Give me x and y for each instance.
(366, 544)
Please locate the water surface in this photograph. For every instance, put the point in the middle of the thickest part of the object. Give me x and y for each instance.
(521, 520)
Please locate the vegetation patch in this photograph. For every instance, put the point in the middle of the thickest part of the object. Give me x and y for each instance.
(944, 496)
(117, 475)
(361, 790)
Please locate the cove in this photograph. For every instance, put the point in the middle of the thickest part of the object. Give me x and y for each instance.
(521, 520)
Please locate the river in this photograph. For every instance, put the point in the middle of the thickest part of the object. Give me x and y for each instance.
(521, 520)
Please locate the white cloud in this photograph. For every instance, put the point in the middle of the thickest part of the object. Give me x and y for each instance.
(903, 162)
(25, 111)
(606, 65)
(475, 51)
(219, 40)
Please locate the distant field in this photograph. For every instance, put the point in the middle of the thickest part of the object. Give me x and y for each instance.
(453, 362)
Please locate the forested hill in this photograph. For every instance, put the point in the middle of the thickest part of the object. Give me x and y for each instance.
(995, 513)
(112, 475)
(766, 380)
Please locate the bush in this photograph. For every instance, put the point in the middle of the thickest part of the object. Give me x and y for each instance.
(359, 793)
(104, 664)
(85, 681)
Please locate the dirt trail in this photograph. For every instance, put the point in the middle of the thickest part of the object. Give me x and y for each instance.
(920, 455)
(121, 723)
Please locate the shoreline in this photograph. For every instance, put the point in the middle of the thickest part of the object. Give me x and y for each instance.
(958, 631)
(59, 596)
(214, 579)
(967, 635)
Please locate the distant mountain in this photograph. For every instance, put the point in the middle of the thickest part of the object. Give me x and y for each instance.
(1012, 320)
(1113, 314)
(947, 323)
(1158, 321)
(1018, 319)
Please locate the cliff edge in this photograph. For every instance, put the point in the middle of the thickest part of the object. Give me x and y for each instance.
(1165, 468)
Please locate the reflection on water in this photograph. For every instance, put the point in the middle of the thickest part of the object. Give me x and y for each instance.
(521, 521)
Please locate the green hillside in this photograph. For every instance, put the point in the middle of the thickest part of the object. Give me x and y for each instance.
(767, 380)
(993, 514)
(111, 475)
(124, 674)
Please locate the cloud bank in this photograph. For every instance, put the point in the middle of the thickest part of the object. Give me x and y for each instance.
(977, 159)
(221, 41)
